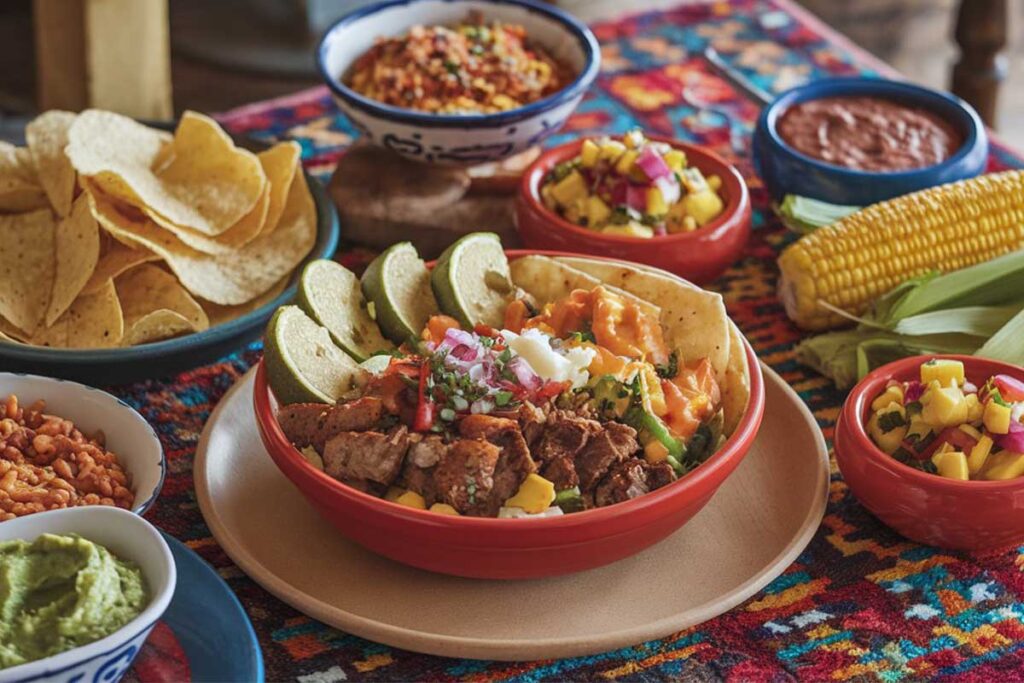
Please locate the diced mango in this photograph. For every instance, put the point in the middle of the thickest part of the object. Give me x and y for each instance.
(633, 138)
(535, 495)
(979, 454)
(893, 394)
(919, 429)
(942, 371)
(889, 440)
(569, 189)
(975, 408)
(612, 150)
(625, 163)
(444, 509)
(997, 418)
(715, 182)
(946, 407)
(597, 211)
(589, 154)
(675, 159)
(952, 465)
(970, 431)
(704, 206)
(693, 180)
(411, 499)
(656, 205)
(393, 493)
(1004, 465)
(549, 200)
(631, 229)
(655, 451)
(655, 397)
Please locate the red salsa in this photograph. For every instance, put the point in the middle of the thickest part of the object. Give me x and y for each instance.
(868, 133)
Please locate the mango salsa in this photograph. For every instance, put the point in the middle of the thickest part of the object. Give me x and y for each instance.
(633, 188)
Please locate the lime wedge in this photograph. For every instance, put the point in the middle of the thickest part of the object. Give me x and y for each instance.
(329, 293)
(471, 280)
(397, 285)
(303, 364)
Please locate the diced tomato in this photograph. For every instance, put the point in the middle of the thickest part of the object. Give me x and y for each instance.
(425, 407)
(551, 389)
(1010, 388)
(410, 367)
(515, 316)
(954, 436)
(437, 326)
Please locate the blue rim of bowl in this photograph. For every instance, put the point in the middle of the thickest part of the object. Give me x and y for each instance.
(328, 235)
(142, 508)
(771, 114)
(583, 35)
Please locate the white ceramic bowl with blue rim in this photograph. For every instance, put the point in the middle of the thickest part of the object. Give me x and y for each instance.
(458, 139)
(129, 537)
(127, 433)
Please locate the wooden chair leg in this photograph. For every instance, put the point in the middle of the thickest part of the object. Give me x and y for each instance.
(981, 34)
(111, 54)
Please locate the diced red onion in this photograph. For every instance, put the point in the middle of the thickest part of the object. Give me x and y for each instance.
(636, 197)
(913, 392)
(524, 373)
(1017, 411)
(1010, 388)
(481, 405)
(1014, 441)
(669, 187)
(464, 352)
(651, 163)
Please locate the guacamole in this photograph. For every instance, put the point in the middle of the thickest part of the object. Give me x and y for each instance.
(61, 592)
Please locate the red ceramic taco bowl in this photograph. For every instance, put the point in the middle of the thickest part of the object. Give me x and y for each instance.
(927, 508)
(509, 548)
(699, 256)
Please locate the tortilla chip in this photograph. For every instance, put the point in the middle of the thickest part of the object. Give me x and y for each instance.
(9, 331)
(114, 260)
(93, 321)
(221, 314)
(240, 234)
(736, 387)
(228, 279)
(77, 243)
(47, 136)
(148, 288)
(280, 163)
(548, 280)
(20, 190)
(156, 326)
(27, 267)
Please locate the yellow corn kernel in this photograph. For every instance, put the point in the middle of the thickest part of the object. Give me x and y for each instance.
(975, 408)
(979, 454)
(675, 159)
(652, 390)
(569, 189)
(689, 224)
(444, 509)
(934, 226)
(703, 206)
(942, 371)
(715, 182)
(625, 163)
(893, 394)
(535, 495)
(589, 154)
(411, 499)
(997, 418)
(947, 407)
(656, 205)
(655, 451)
(1004, 465)
(393, 493)
(631, 229)
(612, 150)
(951, 465)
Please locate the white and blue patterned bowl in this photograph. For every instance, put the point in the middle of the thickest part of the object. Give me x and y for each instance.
(129, 537)
(127, 433)
(458, 139)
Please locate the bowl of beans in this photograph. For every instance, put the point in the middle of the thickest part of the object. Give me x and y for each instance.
(933, 446)
(857, 141)
(65, 445)
(458, 82)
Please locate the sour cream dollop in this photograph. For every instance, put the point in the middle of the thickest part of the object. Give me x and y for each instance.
(566, 364)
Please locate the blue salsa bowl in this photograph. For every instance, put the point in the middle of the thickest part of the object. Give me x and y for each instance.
(787, 171)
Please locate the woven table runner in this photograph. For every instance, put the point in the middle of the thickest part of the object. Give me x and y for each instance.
(860, 602)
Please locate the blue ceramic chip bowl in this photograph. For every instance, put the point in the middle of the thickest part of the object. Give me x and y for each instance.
(457, 139)
(786, 171)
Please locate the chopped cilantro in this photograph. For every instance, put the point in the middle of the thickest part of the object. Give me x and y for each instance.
(669, 369)
(890, 421)
(502, 398)
(914, 408)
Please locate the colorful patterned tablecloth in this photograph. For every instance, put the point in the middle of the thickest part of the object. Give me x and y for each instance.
(860, 602)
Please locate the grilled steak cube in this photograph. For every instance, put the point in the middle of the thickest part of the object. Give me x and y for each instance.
(660, 474)
(420, 463)
(625, 480)
(514, 463)
(562, 473)
(465, 475)
(564, 435)
(369, 456)
(615, 443)
(313, 424)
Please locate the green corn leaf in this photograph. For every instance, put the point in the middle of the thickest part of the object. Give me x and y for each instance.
(1007, 344)
(978, 321)
(882, 310)
(992, 283)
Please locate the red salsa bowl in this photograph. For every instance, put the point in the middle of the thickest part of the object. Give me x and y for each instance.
(492, 548)
(699, 256)
(927, 508)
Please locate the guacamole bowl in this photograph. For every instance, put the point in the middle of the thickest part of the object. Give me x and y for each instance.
(128, 537)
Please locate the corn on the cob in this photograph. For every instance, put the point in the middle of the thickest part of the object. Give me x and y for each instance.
(850, 263)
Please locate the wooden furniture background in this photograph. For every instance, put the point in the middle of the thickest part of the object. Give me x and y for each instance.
(981, 35)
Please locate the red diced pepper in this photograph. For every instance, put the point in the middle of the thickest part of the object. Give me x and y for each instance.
(425, 405)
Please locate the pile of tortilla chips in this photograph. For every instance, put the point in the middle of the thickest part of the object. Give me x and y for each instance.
(115, 234)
